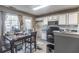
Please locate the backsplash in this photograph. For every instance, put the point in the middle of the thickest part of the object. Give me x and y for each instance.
(69, 27)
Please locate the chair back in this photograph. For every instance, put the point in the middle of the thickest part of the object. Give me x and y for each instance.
(33, 34)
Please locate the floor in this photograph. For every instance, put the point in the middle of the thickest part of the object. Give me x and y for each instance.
(41, 44)
(41, 47)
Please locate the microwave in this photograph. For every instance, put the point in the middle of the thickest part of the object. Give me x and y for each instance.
(52, 22)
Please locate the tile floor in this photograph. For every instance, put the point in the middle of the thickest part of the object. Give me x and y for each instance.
(41, 47)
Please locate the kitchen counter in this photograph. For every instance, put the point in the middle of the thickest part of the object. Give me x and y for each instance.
(66, 42)
(69, 34)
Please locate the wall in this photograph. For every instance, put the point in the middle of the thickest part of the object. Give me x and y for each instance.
(70, 27)
(33, 24)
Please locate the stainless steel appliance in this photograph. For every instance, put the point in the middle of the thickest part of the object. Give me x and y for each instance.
(52, 26)
(52, 23)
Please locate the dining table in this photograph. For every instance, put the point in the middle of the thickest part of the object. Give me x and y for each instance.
(14, 38)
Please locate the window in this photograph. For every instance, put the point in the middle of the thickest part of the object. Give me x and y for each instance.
(11, 21)
(27, 24)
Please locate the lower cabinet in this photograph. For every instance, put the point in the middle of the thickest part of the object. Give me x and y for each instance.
(64, 44)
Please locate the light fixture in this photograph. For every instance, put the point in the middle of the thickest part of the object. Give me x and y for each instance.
(39, 7)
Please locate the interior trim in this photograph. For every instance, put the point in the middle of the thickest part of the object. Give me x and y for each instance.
(60, 12)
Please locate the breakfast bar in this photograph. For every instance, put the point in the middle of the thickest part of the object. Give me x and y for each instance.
(66, 42)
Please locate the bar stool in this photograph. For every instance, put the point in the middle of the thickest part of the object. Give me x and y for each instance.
(27, 39)
(18, 43)
(31, 40)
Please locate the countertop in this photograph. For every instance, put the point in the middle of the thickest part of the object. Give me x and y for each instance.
(69, 34)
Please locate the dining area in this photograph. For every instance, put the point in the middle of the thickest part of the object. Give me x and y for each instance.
(16, 42)
(17, 33)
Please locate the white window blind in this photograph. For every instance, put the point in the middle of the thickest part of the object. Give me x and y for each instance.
(11, 20)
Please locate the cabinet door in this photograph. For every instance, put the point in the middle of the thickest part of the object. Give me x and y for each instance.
(73, 18)
(62, 19)
(55, 17)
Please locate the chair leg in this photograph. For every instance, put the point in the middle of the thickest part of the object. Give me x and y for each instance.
(16, 49)
(30, 47)
(25, 47)
(12, 46)
(35, 45)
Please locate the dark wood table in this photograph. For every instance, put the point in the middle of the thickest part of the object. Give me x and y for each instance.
(14, 38)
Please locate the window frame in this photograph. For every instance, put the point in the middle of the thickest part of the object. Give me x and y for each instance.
(12, 15)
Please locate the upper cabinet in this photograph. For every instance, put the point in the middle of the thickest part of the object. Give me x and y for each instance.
(53, 18)
(62, 18)
(73, 18)
(69, 18)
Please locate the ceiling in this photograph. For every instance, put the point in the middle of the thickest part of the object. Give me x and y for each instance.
(45, 10)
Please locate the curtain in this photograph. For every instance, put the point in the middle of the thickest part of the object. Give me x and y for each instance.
(21, 22)
(1, 29)
(27, 24)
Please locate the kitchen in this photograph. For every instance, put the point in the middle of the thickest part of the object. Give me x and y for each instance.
(18, 21)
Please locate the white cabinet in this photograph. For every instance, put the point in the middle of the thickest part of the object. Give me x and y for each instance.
(73, 18)
(69, 19)
(53, 18)
(62, 19)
